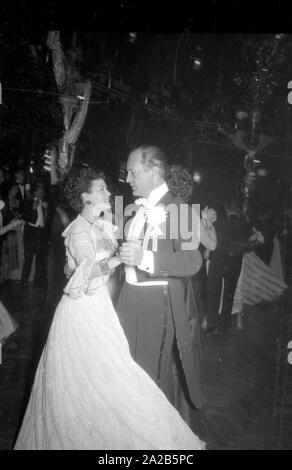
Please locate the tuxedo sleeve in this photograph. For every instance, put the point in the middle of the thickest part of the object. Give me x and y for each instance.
(177, 264)
(147, 263)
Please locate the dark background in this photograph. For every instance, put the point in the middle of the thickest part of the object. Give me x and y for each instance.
(160, 58)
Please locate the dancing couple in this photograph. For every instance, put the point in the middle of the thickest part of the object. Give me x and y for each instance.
(106, 381)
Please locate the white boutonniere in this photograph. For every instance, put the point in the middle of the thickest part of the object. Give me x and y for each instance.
(155, 216)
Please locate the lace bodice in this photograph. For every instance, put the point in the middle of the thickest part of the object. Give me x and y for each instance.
(85, 244)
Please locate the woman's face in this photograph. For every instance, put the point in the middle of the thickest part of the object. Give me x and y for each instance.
(99, 193)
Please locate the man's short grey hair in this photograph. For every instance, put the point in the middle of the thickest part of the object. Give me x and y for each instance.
(153, 156)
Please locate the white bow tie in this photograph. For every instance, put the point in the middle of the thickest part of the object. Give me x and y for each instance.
(143, 202)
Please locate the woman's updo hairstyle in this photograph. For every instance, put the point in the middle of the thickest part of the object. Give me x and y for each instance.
(180, 182)
(78, 182)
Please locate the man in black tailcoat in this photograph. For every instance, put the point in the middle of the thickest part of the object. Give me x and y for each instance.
(155, 304)
(23, 191)
(35, 237)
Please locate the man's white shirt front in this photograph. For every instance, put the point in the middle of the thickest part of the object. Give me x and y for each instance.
(135, 229)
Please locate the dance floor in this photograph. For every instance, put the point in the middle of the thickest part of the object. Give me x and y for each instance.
(248, 377)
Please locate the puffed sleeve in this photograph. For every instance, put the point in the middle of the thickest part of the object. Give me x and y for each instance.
(81, 248)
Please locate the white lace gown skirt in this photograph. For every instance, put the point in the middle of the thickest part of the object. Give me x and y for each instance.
(90, 394)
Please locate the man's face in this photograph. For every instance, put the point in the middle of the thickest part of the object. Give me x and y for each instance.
(139, 177)
(20, 177)
(40, 192)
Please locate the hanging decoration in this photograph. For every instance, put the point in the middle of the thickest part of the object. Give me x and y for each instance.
(74, 99)
(246, 136)
(252, 142)
(260, 59)
(58, 57)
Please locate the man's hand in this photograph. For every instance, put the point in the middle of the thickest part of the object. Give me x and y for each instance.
(209, 216)
(257, 236)
(68, 271)
(131, 252)
(15, 224)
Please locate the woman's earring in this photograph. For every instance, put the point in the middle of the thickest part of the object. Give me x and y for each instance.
(88, 202)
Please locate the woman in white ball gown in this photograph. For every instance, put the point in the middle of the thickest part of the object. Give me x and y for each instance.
(88, 392)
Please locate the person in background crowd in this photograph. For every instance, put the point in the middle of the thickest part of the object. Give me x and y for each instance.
(261, 278)
(207, 246)
(12, 249)
(2, 181)
(265, 223)
(60, 214)
(235, 237)
(240, 233)
(216, 270)
(181, 184)
(35, 236)
(23, 188)
(7, 324)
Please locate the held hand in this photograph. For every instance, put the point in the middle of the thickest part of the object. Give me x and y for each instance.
(131, 252)
(257, 236)
(21, 224)
(260, 237)
(253, 237)
(114, 262)
(209, 215)
(135, 242)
